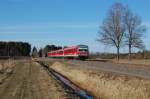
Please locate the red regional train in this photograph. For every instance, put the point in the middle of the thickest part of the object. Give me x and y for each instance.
(78, 52)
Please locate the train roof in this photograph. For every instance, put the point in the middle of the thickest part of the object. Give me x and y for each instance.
(82, 45)
(76, 46)
(55, 50)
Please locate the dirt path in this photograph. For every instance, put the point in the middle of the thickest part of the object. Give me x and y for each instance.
(30, 81)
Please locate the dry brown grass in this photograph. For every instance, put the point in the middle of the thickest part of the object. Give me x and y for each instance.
(103, 85)
(7, 64)
(6, 68)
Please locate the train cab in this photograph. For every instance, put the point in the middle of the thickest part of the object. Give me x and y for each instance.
(83, 51)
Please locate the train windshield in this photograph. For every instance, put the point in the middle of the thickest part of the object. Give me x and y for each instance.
(85, 50)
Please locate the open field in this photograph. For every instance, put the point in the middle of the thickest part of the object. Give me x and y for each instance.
(137, 62)
(133, 62)
(105, 85)
(121, 68)
(26, 79)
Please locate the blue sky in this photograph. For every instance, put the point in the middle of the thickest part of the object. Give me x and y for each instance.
(62, 22)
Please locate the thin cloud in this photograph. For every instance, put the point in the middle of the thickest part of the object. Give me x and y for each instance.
(59, 25)
(20, 32)
(35, 27)
(16, 1)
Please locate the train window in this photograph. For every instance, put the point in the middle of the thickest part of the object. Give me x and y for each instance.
(83, 50)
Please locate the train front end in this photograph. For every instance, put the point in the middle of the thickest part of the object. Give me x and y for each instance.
(83, 52)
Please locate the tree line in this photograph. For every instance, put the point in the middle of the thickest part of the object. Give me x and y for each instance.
(145, 54)
(42, 52)
(122, 27)
(9, 49)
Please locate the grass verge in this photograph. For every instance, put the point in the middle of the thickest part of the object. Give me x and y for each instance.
(105, 85)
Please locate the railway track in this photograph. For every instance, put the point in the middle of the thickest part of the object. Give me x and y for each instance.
(74, 91)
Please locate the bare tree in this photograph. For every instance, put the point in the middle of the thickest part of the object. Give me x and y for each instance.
(112, 30)
(134, 31)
